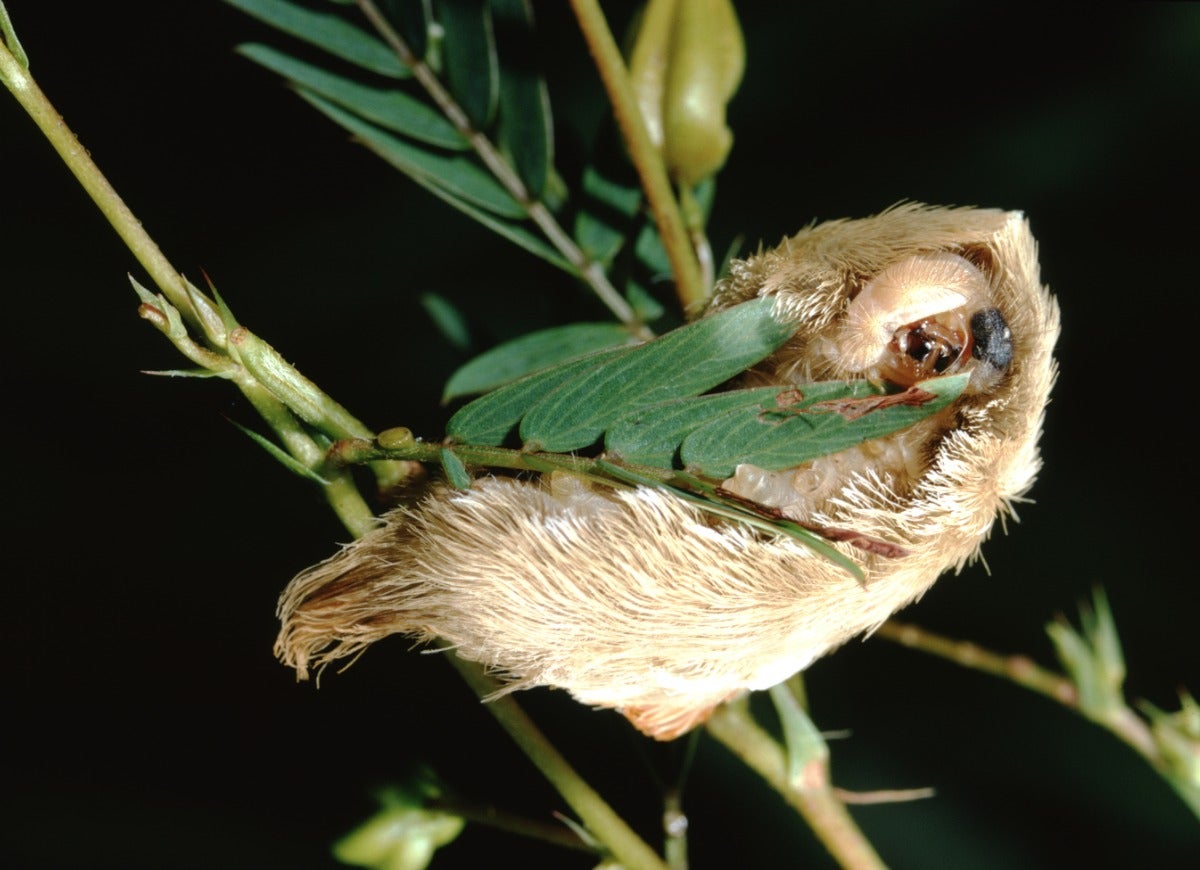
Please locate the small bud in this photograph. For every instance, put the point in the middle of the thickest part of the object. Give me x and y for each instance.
(687, 63)
(395, 438)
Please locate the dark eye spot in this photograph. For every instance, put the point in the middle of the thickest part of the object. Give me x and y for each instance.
(993, 342)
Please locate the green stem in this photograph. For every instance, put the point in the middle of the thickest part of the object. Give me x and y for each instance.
(597, 816)
(554, 834)
(343, 496)
(1123, 723)
(22, 86)
(647, 159)
(341, 492)
(703, 495)
(813, 797)
(807, 753)
(1018, 669)
(588, 270)
(675, 826)
(302, 396)
(693, 219)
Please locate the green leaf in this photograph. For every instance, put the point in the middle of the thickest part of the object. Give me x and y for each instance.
(398, 838)
(393, 109)
(459, 176)
(514, 232)
(649, 250)
(610, 202)
(525, 132)
(1093, 659)
(517, 233)
(731, 253)
(706, 194)
(329, 32)
(456, 472)
(8, 36)
(786, 435)
(487, 421)
(470, 57)
(652, 435)
(282, 456)
(448, 320)
(531, 353)
(717, 507)
(411, 19)
(684, 362)
(644, 305)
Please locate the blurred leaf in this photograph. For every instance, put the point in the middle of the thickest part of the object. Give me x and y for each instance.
(774, 436)
(531, 353)
(607, 213)
(684, 362)
(649, 250)
(514, 232)
(731, 253)
(448, 319)
(411, 19)
(488, 420)
(652, 435)
(457, 181)
(398, 838)
(459, 176)
(470, 57)
(392, 109)
(525, 130)
(706, 194)
(648, 247)
(1093, 659)
(327, 31)
(646, 307)
(1177, 736)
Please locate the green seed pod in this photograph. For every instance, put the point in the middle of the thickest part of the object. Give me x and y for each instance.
(686, 64)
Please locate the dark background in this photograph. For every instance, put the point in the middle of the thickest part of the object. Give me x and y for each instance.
(146, 540)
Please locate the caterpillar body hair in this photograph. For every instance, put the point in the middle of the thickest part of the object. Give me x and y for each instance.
(638, 601)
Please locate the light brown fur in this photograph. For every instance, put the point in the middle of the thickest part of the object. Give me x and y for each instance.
(637, 601)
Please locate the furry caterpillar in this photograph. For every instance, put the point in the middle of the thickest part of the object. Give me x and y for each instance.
(635, 600)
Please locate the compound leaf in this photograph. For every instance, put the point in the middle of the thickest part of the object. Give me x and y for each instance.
(393, 109)
(530, 353)
(329, 32)
(684, 362)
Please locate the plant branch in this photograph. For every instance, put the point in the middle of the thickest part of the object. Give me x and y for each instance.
(626, 846)
(546, 832)
(179, 301)
(693, 219)
(1114, 714)
(675, 825)
(589, 270)
(26, 91)
(1018, 669)
(340, 492)
(647, 158)
(811, 794)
